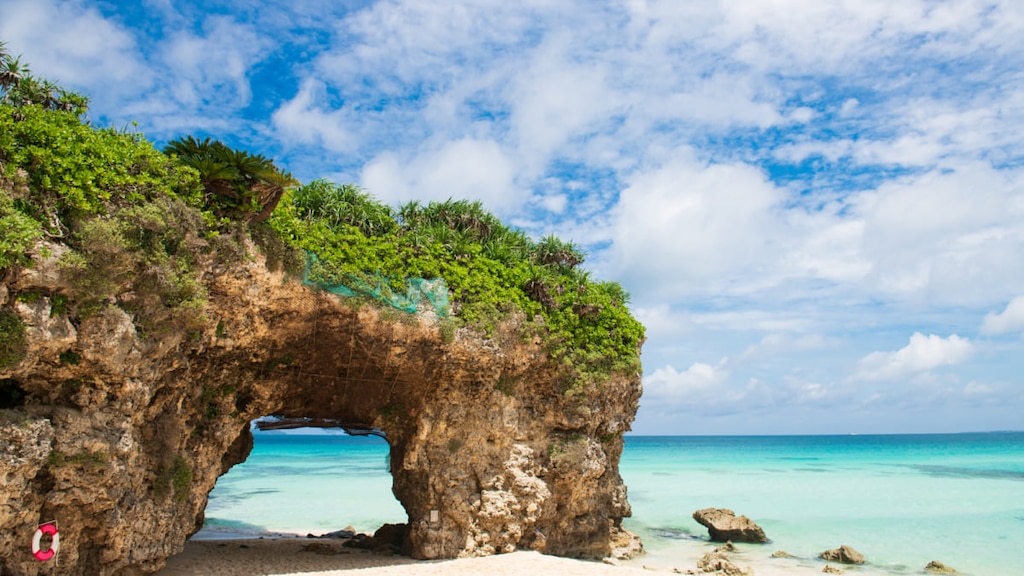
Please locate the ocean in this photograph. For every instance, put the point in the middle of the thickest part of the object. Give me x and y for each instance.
(901, 500)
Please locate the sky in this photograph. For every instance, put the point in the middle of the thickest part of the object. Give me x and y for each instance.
(817, 207)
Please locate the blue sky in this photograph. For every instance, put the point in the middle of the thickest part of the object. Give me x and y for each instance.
(818, 207)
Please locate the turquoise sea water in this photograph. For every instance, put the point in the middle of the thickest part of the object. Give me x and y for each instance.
(900, 500)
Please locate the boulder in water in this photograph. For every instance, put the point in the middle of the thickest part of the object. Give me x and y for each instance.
(781, 554)
(939, 567)
(723, 525)
(844, 555)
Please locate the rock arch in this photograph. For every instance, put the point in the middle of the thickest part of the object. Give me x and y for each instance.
(489, 453)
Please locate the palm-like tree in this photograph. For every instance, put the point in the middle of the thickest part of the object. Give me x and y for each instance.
(551, 251)
(19, 88)
(238, 184)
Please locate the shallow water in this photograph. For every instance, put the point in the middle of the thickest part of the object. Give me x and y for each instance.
(900, 500)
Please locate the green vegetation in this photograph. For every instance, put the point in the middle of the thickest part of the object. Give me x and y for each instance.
(238, 185)
(12, 338)
(491, 270)
(70, 357)
(92, 461)
(139, 220)
(176, 479)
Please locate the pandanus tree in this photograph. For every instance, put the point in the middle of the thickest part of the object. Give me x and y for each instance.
(239, 185)
(19, 88)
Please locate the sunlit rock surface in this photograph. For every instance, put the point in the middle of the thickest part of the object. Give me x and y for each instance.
(120, 434)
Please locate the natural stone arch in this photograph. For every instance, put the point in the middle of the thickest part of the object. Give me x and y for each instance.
(482, 430)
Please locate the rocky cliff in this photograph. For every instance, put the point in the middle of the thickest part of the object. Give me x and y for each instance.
(119, 434)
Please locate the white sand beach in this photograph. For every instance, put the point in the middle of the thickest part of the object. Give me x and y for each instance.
(294, 556)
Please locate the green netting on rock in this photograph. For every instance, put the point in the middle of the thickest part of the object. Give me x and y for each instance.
(410, 294)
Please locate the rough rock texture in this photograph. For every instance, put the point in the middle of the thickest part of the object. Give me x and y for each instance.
(723, 525)
(717, 561)
(781, 554)
(121, 434)
(939, 567)
(844, 554)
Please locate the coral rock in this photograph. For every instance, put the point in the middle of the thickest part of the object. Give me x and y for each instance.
(723, 525)
(844, 555)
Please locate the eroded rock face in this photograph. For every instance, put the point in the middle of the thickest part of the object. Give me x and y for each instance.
(122, 436)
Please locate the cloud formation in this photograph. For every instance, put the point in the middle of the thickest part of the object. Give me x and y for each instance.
(921, 354)
(784, 184)
(1011, 319)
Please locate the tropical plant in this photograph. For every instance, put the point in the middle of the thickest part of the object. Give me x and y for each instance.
(239, 185)
(19, 88)
(490, 269)
(552, 251)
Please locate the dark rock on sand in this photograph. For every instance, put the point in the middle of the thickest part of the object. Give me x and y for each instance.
(939, 567)
(844, 555)
(345, 534)
(387, 539)
(723, 525)
(831, 570)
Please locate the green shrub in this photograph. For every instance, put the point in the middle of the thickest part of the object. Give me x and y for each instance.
(18, 232)
(491, 271)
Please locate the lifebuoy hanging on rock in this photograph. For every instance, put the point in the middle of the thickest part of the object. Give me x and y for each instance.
(51, 529)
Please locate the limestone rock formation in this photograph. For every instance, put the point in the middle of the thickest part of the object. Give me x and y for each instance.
(781, 554)
(717, 561)
(119, 432)
(723, 525)
(939, 567)
(844, 555)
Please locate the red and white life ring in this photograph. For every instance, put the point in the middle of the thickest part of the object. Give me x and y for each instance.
(51, 529)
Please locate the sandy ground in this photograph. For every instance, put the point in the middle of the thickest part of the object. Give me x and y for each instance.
(293, 556)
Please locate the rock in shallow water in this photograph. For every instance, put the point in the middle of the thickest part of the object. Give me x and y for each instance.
(939, 567)
(844, 554)
(723, 525)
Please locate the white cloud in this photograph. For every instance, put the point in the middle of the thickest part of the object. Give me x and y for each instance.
(949, 236)
(462, 169)
(1011, 319)
(73, 44)
(214, 67)
(922, 354)
(689, 227)
(781, 343)
(304, 120)
(693, 386)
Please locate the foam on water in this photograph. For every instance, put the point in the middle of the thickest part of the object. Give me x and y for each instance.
(900, 500)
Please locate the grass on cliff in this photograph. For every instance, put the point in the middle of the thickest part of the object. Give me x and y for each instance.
(139, 221)
(491, 270)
